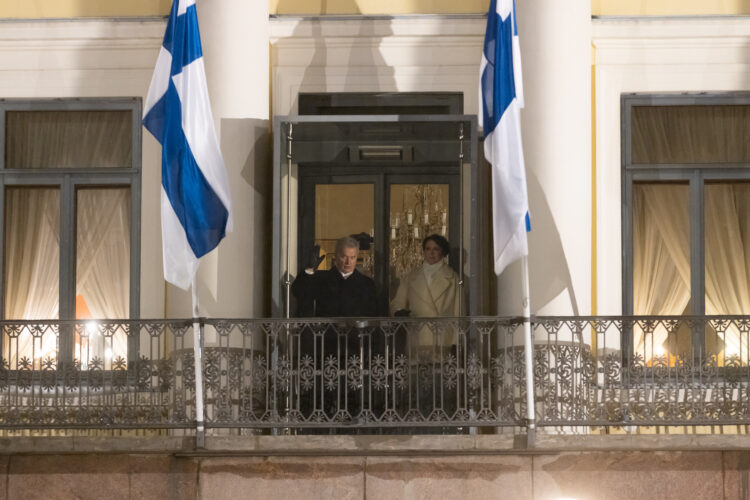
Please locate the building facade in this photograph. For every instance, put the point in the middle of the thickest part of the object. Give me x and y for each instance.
(634, 136)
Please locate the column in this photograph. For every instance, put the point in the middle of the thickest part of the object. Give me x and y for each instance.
(556, 123)
(233, 279)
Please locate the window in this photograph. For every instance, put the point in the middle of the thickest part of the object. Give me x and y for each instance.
(686, 216)
(70, 174)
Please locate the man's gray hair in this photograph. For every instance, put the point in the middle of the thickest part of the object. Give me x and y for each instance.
(346, 242)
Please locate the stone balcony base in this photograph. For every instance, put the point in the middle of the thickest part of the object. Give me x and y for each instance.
(359, 467)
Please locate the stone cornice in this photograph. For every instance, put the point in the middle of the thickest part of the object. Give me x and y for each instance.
(291, 28)
(671, 40)
(55, 33)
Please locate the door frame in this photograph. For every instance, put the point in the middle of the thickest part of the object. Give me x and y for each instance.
(444, 142)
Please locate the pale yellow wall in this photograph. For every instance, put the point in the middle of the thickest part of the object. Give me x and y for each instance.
(116, 8)
(377, 6)
(33, 9)
(669, 7)
(598, 7)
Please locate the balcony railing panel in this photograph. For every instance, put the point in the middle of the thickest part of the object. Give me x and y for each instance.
(149, 385)
(629, 371)
(364, 373)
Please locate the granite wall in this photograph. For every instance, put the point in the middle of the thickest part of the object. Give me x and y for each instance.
(587, 475)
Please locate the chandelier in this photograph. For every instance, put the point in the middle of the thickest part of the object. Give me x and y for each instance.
(423, 214)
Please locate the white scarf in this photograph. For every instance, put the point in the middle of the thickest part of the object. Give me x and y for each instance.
(429, 270)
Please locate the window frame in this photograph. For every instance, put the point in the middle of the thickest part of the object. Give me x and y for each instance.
(68, 180)
(694, 174)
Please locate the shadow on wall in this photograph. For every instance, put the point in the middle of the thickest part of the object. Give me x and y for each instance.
(313, 7)
(356, 68)
(549, 274)
(253, 256)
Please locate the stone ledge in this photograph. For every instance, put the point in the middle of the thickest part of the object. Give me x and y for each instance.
(370, 445)
(78, 444)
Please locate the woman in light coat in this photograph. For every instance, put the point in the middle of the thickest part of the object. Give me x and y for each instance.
(429, 291)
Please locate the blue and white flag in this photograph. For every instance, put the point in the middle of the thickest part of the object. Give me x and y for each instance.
(501, 98)
(195, 200)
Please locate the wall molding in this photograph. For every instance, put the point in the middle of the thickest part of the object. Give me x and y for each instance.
(328, 26)
(44, 47)
(58, 30)
(672, 41)
(406, 53)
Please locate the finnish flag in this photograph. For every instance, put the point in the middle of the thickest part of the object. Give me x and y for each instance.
(501, 98)
(195, 199)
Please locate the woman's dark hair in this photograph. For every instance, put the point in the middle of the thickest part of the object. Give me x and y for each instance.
(440, 241)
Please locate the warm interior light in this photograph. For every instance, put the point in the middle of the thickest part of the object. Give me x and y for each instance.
(658, 351)
(45, 353)
(91, 328)
(48, 349)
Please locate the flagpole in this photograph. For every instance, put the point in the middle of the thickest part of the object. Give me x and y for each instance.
(198, 364)
(528, 351)
(194, 178)
(501, 99)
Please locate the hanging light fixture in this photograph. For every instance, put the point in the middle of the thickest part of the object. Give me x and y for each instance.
(423, 214)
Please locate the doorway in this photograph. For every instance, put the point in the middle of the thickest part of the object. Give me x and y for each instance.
(389, 179)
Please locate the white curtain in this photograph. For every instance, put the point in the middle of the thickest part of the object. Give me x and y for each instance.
(32, 261)
(728, 256)
(661, 260)
(103, 263)
(661, 257)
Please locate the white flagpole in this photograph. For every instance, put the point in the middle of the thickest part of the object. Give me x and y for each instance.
(198, 362)
(528, 349)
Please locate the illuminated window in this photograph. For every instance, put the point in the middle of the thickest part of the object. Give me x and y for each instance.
(686, 217)
(71, 176)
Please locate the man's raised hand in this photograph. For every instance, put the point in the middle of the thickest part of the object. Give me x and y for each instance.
(314, 258)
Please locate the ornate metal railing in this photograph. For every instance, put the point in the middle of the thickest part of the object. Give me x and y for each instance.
(391, 374)
(365, 373)
(629, 371)
(97, 375)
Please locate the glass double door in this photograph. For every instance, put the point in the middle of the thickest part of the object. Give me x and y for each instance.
(389, 213)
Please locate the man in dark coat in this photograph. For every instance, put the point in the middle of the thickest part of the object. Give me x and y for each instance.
(338, 292)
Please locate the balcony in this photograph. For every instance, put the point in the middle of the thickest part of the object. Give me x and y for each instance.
(375, 376)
